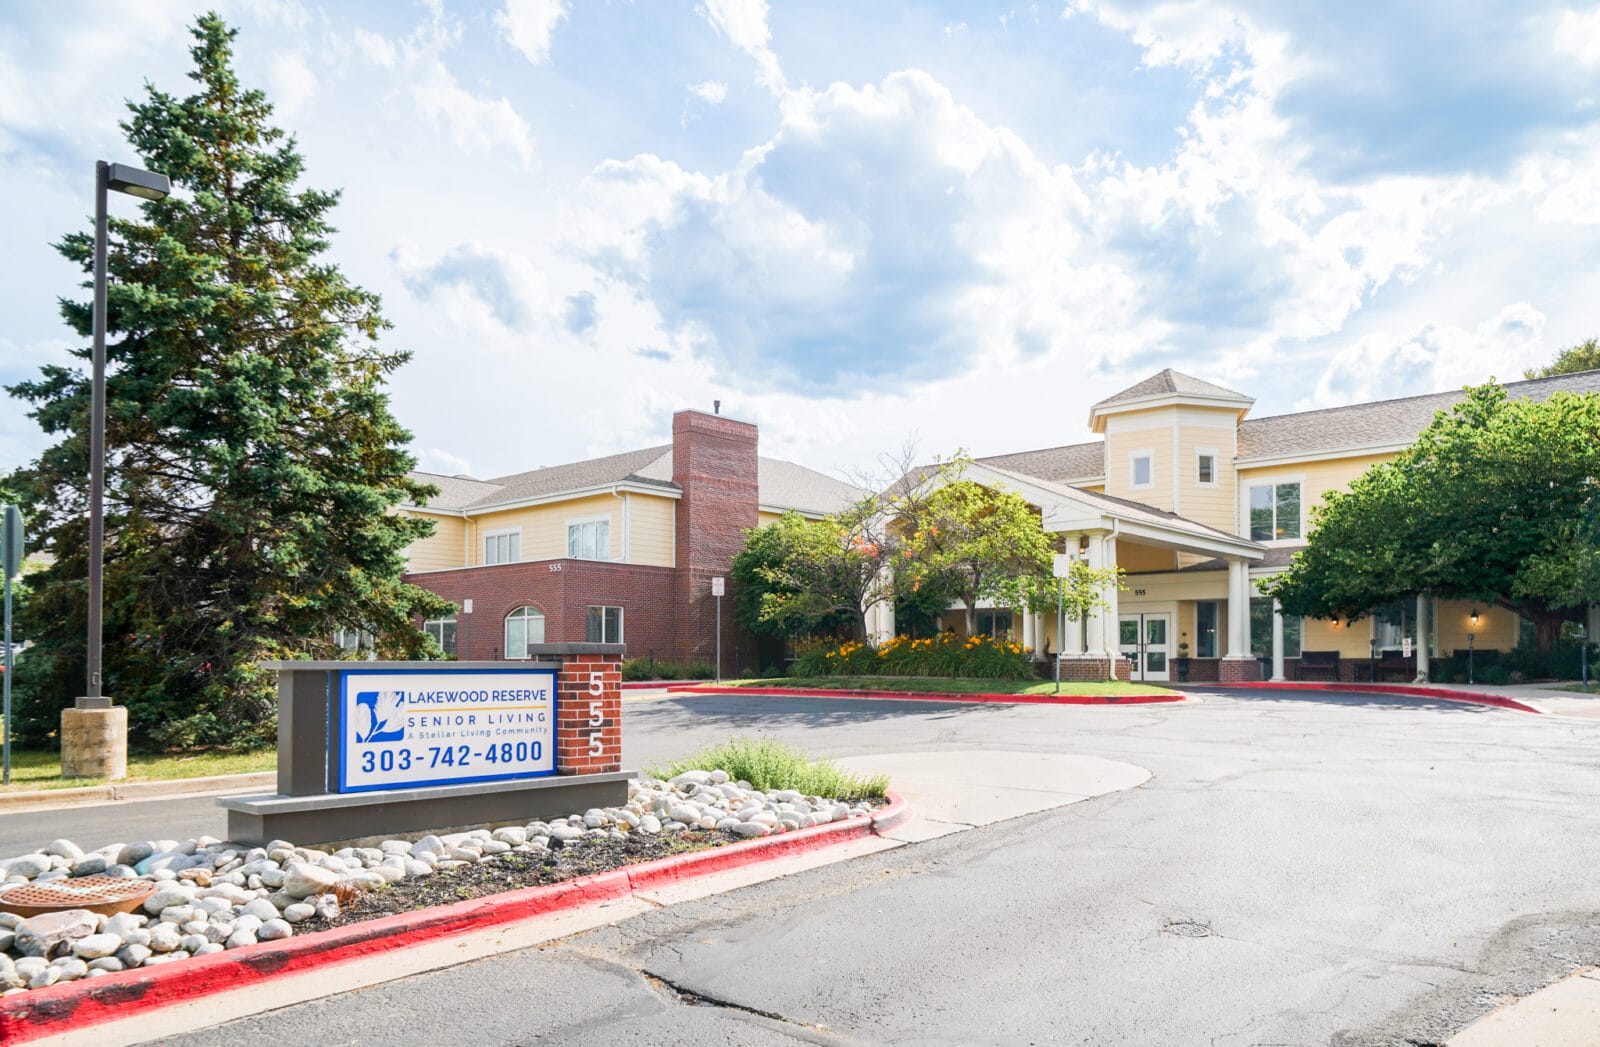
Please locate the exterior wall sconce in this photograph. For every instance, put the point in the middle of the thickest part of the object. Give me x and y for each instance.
(1473, 618)
(1083, 543)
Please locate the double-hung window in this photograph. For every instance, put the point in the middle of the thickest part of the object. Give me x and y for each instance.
(1206, 468)
(589, 540)
(443, 631)
(1274, 512)
(603, 625)
(505, 547)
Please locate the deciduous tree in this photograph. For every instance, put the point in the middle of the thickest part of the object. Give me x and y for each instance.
(1497, 501)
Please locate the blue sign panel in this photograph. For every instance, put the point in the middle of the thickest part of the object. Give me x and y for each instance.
(410, 727)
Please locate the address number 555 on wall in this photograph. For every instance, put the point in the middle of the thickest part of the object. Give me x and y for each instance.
(597, 716)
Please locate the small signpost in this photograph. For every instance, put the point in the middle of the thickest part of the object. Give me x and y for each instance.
(11, 562)
(1061, 567)
(718, 586)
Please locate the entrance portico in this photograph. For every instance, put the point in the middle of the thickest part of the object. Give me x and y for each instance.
(1165, 559)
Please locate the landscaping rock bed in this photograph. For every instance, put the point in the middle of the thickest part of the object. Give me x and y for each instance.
(213, 895)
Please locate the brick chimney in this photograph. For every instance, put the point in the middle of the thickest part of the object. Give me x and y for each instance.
(714, 461)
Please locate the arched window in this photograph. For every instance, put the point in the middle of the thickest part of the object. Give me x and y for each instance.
(524, 626)
(443, 631)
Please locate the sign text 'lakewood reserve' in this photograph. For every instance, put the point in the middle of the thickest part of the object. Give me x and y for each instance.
(402, 728)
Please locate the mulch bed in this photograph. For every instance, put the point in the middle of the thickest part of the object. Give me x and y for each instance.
(512, 870)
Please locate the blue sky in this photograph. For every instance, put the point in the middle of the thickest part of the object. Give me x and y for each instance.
(854, 222)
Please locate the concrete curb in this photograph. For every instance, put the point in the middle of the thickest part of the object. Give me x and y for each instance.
(1499, 701)
(654, 685)
(112, 792)
(934, 696)
(74, 1005)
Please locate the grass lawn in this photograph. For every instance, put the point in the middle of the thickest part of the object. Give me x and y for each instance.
(945, 685)
(35, 769)
(1574, 687)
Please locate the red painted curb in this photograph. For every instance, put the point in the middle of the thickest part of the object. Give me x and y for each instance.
(932, 696)
(73, 1005)
(1413, 690)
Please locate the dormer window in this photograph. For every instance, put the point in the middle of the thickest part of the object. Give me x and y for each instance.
(1141, 471)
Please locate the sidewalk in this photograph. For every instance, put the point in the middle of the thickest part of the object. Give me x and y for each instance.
(1565, 1014)
(1544, 695)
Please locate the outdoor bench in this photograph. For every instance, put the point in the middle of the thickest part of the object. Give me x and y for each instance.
(1318, 662)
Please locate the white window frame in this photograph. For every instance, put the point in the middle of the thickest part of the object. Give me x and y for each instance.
(1216, 460)
(483, 544)
(1133, 469)
(432, 624)
(505, 632)
(579, 521)
(1276, 480)
(603, 608)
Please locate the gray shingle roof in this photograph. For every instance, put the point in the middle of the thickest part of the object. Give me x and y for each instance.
(783, 484)
(1074, 462)
(628, 467)
(790, 486)
(1382, 423)
(455, 492)
(1168, 382)
(1128, 509)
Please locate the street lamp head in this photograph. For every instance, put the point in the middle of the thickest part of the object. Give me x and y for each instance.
(147, 185)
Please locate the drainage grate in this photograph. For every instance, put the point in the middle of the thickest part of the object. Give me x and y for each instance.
(1187, 928)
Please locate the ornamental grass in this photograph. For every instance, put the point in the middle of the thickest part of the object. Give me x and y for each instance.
(768, 764)
(970, 657)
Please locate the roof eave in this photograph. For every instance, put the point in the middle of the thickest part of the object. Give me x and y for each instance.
(1099, 412)
(630, 486)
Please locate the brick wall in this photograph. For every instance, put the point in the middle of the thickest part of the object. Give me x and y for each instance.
(1091, 670)
(589, 714)
(647, 595)
(714, 461)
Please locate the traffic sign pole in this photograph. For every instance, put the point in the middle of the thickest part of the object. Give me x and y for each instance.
(717, 587)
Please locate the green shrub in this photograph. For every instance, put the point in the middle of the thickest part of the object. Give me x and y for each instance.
(697, 671)
(769, 764)
(976, 657)
(772, 672)
(1493, 674)
(635, 669)
(749, 672)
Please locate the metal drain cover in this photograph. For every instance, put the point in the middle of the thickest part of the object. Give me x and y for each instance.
(101, 894)
(1187, 928)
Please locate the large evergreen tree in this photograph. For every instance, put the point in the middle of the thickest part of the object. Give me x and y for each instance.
(253, 463)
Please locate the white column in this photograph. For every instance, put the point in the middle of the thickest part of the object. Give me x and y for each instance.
(1094, 634)
(1113, 627)
(1277, 640)
(1422, 638)
(1071, 639)
(1238, 610)
(1027, 628)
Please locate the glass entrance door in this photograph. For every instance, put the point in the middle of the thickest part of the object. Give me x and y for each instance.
(1146, 641)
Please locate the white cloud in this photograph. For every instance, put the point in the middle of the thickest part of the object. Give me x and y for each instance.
(1576, 33)
(529, 25)
(711, 92)
(471, 121)
(1435, 357)
(292, 84)
(434, 460)
(743, 23)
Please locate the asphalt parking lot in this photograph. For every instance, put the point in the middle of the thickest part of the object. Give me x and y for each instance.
(1301, 868)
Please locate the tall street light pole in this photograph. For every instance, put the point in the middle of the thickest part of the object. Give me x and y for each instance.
(146, 185)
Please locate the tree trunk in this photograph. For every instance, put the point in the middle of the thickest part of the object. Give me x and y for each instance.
(972, 619)
(861, 625)
(1547, 631)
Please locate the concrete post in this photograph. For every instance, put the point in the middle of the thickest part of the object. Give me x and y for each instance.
(1238, 609)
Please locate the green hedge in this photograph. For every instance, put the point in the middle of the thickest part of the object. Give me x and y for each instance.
(651, 669)
(977, 657)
